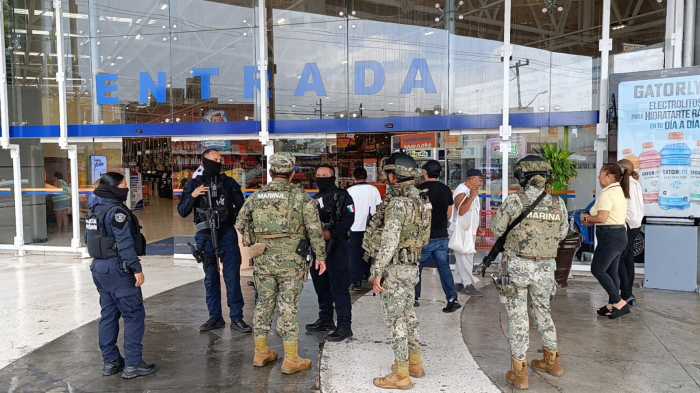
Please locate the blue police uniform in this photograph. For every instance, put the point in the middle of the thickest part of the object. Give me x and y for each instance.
(337, 213)
(228, 202)
(116, 284)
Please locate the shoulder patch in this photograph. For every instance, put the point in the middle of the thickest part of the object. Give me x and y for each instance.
(119, 219)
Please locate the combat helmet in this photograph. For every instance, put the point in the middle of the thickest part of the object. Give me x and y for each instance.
(403, 165)
(530, 166)
(282, 163)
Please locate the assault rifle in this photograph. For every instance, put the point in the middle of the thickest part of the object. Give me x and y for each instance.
(213, 222)
(499, 246)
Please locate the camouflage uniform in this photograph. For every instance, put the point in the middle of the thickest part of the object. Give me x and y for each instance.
(279, 215)
(405, 231)
(530, 250)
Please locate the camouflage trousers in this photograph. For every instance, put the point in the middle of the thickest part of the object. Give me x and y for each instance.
(279, 290)
(397, 299)
(533, 281)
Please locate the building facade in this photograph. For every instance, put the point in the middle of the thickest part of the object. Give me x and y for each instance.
(146, 85)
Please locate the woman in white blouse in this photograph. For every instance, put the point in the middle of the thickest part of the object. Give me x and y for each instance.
(635, 214)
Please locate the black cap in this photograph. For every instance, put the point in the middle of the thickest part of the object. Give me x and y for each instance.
(474, 172)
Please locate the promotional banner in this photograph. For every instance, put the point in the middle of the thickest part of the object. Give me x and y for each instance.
(659, 131)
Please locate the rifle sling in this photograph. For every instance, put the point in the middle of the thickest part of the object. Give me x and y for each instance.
(522, 215)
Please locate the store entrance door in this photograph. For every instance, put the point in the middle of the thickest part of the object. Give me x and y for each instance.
(149, 165)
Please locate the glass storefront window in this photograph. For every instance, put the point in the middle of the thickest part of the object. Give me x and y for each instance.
(46, 195)
(7, 199)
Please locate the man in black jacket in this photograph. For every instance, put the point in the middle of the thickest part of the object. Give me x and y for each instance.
(226, 200)
(337, 213)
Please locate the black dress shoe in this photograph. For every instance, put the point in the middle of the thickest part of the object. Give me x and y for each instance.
(141, 370)
(416, 303)
(241, 327)
(113, 367)
(339, 335)
(451, 307)
(321, 326)
(212, 324)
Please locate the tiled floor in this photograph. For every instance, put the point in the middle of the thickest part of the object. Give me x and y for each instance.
(654, 349)
(48, 308)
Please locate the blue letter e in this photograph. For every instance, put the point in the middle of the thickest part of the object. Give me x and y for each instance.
(103, 89)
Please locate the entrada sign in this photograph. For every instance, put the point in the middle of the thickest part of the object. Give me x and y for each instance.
(417, 77)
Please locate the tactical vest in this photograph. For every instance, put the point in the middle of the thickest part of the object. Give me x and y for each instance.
(538, 235)
(101, 245)
(373, 233)
(202, 207)
(277, 213)
(415, 233)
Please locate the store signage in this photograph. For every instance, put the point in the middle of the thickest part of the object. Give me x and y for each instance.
(310, 82)
(421, 154)
(659, 131)
(420, 140)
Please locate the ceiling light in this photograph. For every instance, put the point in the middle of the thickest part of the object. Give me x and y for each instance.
(341, 13)
(618, 27)
(281, 20)
(354, 13)
(544, 10)
(437, 19)
(164, 6)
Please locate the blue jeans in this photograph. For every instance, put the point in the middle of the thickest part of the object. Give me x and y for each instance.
(228, 244)
(437, 250)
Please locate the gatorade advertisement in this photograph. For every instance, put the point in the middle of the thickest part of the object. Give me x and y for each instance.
(659, 130)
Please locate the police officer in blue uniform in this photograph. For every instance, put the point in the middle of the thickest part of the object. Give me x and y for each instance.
(337, 213)
(114, 241)
(226, 199)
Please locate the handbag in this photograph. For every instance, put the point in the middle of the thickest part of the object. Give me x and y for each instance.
(461, 242)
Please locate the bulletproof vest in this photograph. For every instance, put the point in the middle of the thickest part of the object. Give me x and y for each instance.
(373, 233)
(100, 244)
(217, 196)
(538, 235)
(415, 233)
(277, 210)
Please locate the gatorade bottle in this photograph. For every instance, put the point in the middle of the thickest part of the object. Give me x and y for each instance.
(629, 154)
(695, 174)
(649, 166)
(674, 182)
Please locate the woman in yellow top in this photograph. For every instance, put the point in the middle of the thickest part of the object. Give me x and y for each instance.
(608, 215)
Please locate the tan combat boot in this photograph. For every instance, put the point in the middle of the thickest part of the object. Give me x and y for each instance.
(398, 379)
(550, 364)
(292, 362)
(415, 365)
(517, 376)
(263, 354)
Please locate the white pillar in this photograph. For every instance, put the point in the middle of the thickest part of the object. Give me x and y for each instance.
(61, 76)
(94, 60)
(75, 196)
(505, 129)
(19, 212)
(268, 145)
(605, 46)
(14, 149)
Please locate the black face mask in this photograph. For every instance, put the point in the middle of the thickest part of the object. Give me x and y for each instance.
(325, 184)
(111, 192)
(211, 168)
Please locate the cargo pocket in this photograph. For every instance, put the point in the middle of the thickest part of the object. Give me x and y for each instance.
(100, 267)
(130, 300)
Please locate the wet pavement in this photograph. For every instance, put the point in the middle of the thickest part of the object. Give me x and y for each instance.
(654, 349)
(188, 361)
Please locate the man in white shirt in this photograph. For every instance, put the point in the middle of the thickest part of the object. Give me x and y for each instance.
(366, 198)
(635, 214)
(468, 207)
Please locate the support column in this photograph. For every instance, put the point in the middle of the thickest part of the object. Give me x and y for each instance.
(74, 196)
(17, 188)
(505, 129)
(14, 149)
(264, 93)
(605, 46)
(689, 33)
(94, 61)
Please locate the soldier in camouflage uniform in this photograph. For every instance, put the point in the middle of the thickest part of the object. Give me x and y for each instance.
(272, 222)
(405, 230)
(529, 255)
